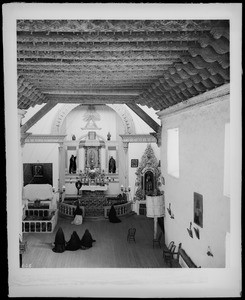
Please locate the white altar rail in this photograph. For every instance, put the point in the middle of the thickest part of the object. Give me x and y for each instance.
(67, 210)
(39, 226)
(121, 209)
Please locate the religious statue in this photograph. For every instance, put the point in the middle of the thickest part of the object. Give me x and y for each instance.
(148, 183)
(112, 165)
(91, 160)
(73, 165)
(108, 136)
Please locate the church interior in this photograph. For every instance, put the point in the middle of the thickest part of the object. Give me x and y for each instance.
(129, 114)
(124, 135)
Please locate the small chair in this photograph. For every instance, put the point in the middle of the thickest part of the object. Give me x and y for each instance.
(158, 240)
(167, 249)
(131, 234)
(169, 255)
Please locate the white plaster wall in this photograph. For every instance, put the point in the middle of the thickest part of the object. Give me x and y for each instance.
(43, 153)
(201, 150)
(44, 125)
(141, 126)
(75, 122)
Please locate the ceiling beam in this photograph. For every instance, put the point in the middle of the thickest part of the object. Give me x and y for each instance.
(67, 37)
(144, 116)
(45, 109)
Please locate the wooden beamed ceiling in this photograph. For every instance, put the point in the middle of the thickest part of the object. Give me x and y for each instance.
(157, 63)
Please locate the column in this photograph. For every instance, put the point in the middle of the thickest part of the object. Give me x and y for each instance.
(62, 162)
(21, 114)
(125, 147)
(81, 154)
(103, 159)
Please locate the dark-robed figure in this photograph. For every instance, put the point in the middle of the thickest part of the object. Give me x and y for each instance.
(74, 242)
(113, 215)
(112, 165)
(73, 164)
(86, 240)
(78, 215)
(59, 243)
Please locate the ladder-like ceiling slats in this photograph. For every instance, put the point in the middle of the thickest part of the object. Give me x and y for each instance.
(157, 63)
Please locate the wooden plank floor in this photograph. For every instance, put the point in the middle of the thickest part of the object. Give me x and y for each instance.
(111, 249)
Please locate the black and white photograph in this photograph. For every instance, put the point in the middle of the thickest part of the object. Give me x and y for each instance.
(123, 138)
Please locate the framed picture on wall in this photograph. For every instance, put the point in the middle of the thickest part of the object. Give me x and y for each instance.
(198, 209)
(38, 170)
(134, 163)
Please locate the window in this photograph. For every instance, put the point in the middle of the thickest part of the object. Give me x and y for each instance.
(227, 161)
(173, 152)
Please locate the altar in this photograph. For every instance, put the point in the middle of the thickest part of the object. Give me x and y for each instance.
(94, 188)
(92, 163)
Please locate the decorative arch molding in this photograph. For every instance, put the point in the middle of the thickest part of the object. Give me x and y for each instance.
(60, 117)
(128, 122)
(121, 110)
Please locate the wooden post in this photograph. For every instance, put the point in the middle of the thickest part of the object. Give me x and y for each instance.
(155, 227)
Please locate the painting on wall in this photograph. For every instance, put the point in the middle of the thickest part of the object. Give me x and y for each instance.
(134, 163)
(198, 209)
(38, 170)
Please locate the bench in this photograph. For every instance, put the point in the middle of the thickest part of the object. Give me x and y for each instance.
(182, 260)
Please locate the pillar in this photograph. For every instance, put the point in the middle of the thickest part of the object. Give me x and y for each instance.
(62, 163)
(21, 114)
(125, 147)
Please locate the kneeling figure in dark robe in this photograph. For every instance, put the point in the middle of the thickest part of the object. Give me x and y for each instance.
(59, 241)
(87, 240)
(74, 242)
(113, 215)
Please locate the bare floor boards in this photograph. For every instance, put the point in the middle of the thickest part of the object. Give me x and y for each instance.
(111, 249)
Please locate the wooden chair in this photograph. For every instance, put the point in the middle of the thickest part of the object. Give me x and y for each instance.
(158, 240)
(169, 255)
(131, 234)
(167, 249)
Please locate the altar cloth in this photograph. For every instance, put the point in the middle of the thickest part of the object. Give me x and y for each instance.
(34, 192)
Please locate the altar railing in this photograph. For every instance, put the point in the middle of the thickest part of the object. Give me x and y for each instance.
(67, 209)
(39, 220)
(121, 209)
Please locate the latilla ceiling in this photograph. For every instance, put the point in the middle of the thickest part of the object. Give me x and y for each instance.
(157, 63)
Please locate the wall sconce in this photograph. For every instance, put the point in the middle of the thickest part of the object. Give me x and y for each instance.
(170, 211)
(197, 232)
(209, 252)
(190, 230)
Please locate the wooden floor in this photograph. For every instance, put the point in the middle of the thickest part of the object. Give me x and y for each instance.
(111, 249)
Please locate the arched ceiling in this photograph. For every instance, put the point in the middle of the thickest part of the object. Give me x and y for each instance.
(157, 63)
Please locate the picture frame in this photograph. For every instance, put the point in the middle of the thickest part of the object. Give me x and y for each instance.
(38, 170)
(134, 163)
(198, 209)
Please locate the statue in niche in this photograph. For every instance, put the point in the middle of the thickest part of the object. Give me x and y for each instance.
(112, 165)
(108, 136)
(148, 182)
(73, 165)
(91, 160)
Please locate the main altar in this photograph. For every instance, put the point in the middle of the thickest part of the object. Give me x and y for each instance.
(93, 161)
